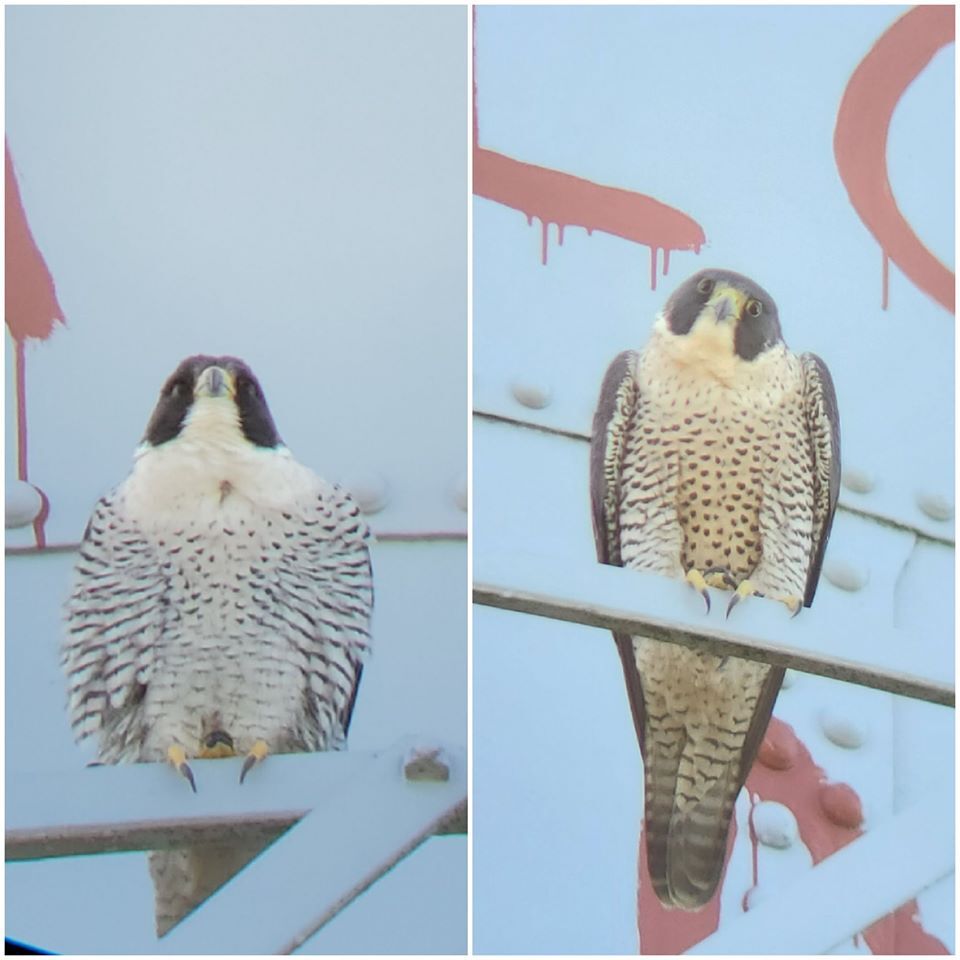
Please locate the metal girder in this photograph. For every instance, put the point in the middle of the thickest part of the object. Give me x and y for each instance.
(349, 818)
(628, 601)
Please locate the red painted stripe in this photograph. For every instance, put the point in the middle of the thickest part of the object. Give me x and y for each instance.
(860, 141)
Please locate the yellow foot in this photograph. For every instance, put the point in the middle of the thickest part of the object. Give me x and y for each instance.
(257, 753)
(744, 589)
(177, 757)
(747, 589)
(793, 604)
(216, 745)
(696, 580)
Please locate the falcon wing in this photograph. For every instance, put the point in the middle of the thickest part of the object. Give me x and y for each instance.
(618, 400)
(116, 614)
(619, 396)
(823, 425)
(333, 629)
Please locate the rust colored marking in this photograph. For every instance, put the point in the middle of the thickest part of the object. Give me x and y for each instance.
(31, 298)
(553, 197)
(799, 788)
(860, 143)
(32, 312)
(568, 201)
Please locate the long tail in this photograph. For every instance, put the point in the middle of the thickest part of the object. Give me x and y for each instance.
(183, 879)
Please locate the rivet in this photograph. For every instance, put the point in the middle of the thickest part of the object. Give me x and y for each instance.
(23, 504)
(935, 506)
(753, 897)
(427, 763)
(460, 492)
(774, 825)
(857, 480)
(779, 749)
(842, 728)
(369, 489)
(530, 393)
(841, 805)
(845, 575)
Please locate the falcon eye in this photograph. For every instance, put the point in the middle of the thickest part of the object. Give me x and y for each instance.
(176, 389)
(754, 308)
(705, 285)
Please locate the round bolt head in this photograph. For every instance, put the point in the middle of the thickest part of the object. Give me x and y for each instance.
(754, 896)
(369, 489)
(460, 494)
(857, 480)
(531, 394)
(845, 575)
(23, 503)
(841, 805)
(774, 825)
(427, 763)
(935, 506)
(843, 728)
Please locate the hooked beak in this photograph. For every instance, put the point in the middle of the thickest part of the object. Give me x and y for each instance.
(727, 303)
(215, 382)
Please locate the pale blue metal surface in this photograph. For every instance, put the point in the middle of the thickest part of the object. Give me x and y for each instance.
(878, 656)
(283, 184)
(414, 683)
(635, 97)
(351, 836)
(417, 925)
(726, 113)
(345, 836)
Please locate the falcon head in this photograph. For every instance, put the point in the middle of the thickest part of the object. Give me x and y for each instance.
(725, 313)
(214, 399)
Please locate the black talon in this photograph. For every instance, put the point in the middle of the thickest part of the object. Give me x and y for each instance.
(187, 774)
(734, 600)
(248, 765)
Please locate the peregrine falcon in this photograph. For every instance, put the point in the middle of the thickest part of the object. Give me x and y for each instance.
(715, 459)
(221, 604)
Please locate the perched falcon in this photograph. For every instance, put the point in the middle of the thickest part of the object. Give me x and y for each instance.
(715, 459)
(221, 604)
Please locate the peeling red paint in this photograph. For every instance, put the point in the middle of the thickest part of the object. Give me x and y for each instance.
(801, 789)
(32, 312)
(860, 143)
(553, 197)
(568, 201)
(31, 298)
